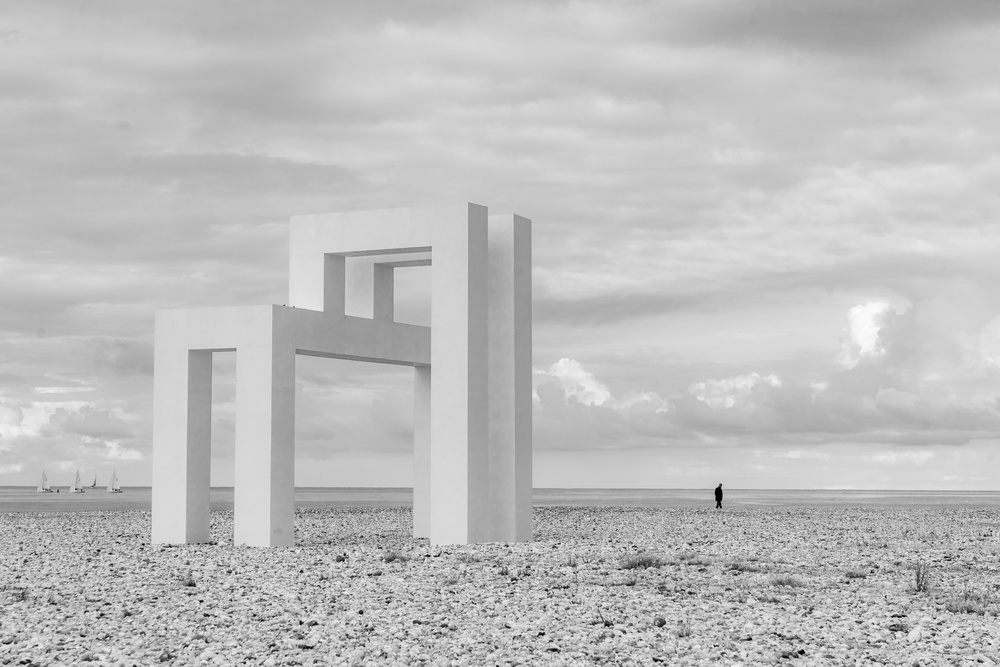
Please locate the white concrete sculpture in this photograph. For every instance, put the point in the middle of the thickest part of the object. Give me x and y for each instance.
(472, 433)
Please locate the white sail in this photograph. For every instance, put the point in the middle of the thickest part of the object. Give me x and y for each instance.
(76, 488)
(113, 486)
(43, 485)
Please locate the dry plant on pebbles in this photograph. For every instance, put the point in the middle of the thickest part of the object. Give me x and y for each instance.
(596, 586)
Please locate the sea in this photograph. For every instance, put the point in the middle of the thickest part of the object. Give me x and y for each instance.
(26, 499)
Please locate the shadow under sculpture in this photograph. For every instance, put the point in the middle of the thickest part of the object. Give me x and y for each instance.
(472, 433)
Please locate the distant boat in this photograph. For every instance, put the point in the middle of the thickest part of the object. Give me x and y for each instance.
(43, 486)
(113, 485)
(94, 485)
(76, 488)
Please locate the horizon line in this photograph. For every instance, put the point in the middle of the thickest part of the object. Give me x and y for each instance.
(594, 488)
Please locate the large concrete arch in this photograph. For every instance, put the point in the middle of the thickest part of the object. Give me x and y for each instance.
(472, 374)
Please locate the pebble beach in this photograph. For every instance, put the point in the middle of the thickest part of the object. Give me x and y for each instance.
(596, 586)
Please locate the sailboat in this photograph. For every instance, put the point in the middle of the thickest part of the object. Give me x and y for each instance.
(94, 485)
(76, 488)
(113, 485)
(43, 486)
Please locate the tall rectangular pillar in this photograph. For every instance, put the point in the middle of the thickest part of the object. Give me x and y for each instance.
(263, 507)
(523, 432)
(421, 451)
(459, 467)
(510, 378)
(334, 280)
(182, 436)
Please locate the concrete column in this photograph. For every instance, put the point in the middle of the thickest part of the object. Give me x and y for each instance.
(359, 287)
(383, 293)
(524, 438)
(307, 270)
(510, 378)
(459, 407)
(334, 279)
(421, 451)
(383, 305)
(264, 509)
(182, 439)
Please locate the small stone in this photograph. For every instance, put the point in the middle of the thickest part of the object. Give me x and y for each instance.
(915, 634)
(659, 621)
(270, 662)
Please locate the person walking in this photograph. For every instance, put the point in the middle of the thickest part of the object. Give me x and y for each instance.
(718, 497)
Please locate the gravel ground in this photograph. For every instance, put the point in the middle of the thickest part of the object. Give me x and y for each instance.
(598, 585)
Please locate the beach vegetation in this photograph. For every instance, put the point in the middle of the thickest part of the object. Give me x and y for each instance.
(922, 578)
(855, 574)
(640, 561)
(187, 579)
(743, 566)
(395, 557)
(963, 605)
(787, 580)
(968, 602)
(693, 559)
(468, 558)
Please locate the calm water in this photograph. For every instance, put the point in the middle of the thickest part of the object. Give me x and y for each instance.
(25, 499)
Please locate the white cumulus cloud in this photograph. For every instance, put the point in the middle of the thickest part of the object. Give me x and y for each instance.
(578, 382)
(861, 338)
(732, 391)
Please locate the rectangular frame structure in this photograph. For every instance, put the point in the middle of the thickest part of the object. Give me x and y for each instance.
(472, 433)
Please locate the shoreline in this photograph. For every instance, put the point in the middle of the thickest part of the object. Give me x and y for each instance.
(598, 585)
(26, 499)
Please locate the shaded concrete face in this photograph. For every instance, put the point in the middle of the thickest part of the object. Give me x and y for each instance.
(472, 378)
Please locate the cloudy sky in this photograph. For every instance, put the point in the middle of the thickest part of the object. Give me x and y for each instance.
(766, 234)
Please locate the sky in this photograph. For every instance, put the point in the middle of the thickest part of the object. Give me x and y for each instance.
(765, 233)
